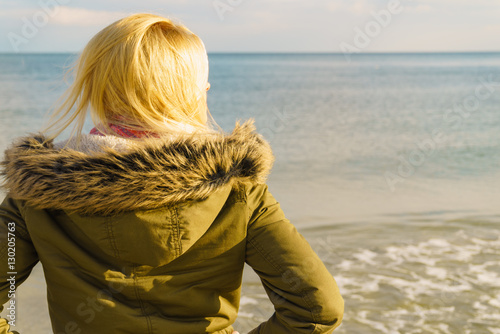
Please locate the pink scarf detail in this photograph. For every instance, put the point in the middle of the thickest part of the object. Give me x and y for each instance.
(124, 132)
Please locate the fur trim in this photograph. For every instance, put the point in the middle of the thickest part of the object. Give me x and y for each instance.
(150, 174)
(95, 143)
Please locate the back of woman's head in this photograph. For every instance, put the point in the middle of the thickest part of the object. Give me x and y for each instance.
(144, 72)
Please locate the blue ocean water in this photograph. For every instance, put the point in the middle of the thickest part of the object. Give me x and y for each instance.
(323, 115)
(387, 163)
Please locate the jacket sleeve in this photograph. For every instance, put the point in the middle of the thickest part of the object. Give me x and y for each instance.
(17, 259)
(305, 296)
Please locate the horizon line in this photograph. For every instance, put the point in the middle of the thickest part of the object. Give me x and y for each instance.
(279, 52)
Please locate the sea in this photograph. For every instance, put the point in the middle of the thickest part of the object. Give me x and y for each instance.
(388, 164)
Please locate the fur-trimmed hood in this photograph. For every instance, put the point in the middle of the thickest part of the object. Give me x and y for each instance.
(110, 177)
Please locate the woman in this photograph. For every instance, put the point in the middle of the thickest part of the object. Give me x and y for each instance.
(144, 225)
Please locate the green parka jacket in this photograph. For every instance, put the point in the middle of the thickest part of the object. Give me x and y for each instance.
(151, 236)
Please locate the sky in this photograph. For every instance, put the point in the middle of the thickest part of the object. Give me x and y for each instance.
(351, 26)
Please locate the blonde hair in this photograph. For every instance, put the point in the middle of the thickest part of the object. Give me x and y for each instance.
(143, 72)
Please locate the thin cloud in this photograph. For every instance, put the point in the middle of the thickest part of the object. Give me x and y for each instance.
(273, 25)
(69, 16)
(419, 8)
(17, 12)
(356, 7)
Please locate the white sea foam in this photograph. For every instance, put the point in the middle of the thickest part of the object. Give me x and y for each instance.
(440, 273)
(366, 256)
(244, 300)
(431, 283)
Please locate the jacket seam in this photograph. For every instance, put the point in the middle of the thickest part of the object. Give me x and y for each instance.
(175, 231)
(276, 266)
(24, 228)
(22, 210)
(240, 193)
(111, 237)
(141, 302)
(23, 232)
